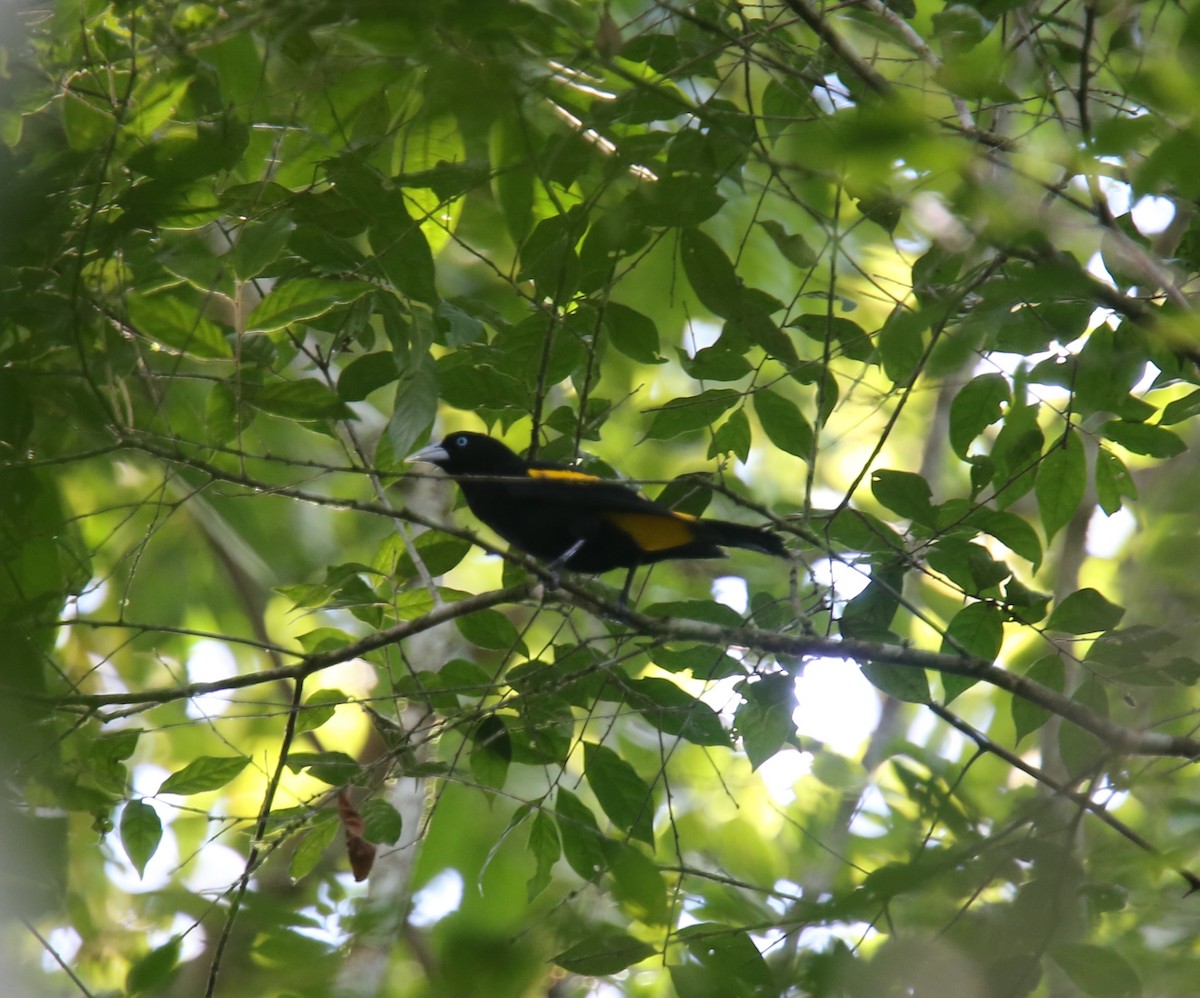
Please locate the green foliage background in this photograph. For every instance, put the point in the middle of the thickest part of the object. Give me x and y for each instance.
(911, 281)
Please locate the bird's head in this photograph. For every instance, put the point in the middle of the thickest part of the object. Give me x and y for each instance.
(466, 453)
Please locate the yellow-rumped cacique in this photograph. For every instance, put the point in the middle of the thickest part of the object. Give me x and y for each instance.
(574, 520)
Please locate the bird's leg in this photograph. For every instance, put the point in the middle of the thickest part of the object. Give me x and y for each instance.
(562, 559)
(623, 599)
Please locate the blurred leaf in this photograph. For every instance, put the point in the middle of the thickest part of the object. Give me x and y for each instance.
(976, 407)
(904, 493)
(978, 630)
(366, 374)
(637, 882)
(544, 844)
(1098, 971)
(784, 424)
(626, 798)
(606, 950)
(311, 848)
(1028, 716)
(582, 842)
(176, 323)
(490, 629)
(633, 333)
(682, 415)
(764, 720)
(382, 823)
(153, 971)
(672, 710)
(1061, 483)
(710, 273)
(204, 774)
(899, 681)
(318, 708)
(141, 832)
(1085, 611)
(491, 752)
(1140, 438)
(792, 245)
(307, 399)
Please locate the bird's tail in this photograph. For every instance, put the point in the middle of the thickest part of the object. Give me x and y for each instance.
(738, 535)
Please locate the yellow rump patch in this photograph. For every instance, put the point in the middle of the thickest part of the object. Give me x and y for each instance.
(654, 531)
(562, 475)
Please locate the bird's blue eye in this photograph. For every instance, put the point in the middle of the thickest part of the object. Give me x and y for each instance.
(460, 441)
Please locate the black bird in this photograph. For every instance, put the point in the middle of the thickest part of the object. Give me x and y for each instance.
(574, 520)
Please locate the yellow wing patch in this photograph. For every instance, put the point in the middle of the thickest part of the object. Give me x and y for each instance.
(654, 531)
(562, 475)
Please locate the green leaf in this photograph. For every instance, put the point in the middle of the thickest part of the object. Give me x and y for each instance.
(153, 971)
(307, 399)
(491, 629)
(259, 245)
(382, 823)
(707, 610)
(784, 424)
(1098, 971)
(311, 847)
(513, 177)
(710, 273)
(869, 615)
(1061, 483)
(141, 832)
(548, 256)
(491, 752)
(1085, 612)
(899, 681)
(1028, 716)
(904, 493)
(87, 126)
(334, 768)
(1011, 530)
(756, 326)
(675, 711)
(688, 199)
(682, 415)
(1081, 750)
(794, 247)
(977, 629)
(625, 797)
(545, 846)
(208, 772)
(1180, 410)
(1141, 438)
(901, 344)
(1113, 481)
(439, 551)
(702, 661)
(605, 950)
(732, 437)
(177, 323)
(730, 959)
(853, 341)
(582, 841)
(403, 252)
(1016, 454)
(764, 721)
(318, 709)
(637, 882)
(633, 333)
(976, 407)
(414, 408)
(466, 384)
(366, 374)
(301, 299)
